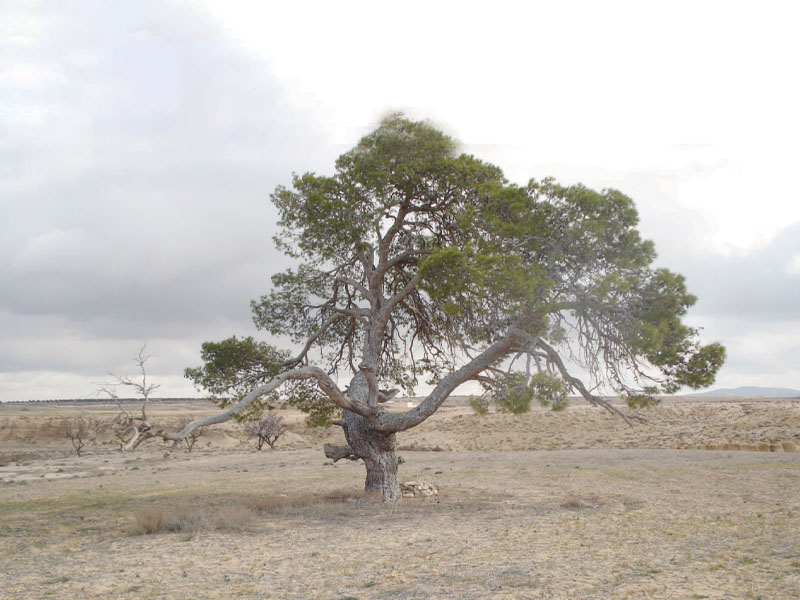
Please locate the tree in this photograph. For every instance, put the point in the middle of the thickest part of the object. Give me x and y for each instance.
(268, 430)
(76, 430)
(417, 262)
(131, 429)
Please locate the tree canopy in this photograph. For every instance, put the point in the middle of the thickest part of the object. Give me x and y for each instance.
(418, 263)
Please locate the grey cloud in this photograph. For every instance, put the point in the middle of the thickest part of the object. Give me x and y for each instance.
(139, 185)
(757, 286)
(751, 303)
(138, 149)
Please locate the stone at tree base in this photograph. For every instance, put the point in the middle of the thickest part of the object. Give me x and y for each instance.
(412, 489)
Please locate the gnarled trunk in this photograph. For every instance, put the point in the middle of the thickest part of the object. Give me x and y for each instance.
(377, 449)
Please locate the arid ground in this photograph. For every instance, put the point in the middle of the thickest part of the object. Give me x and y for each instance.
(702, 501)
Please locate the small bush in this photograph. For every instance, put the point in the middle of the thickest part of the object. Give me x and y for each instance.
(268, 430)
(479, 404)
(233, 518)
(77, 431)
(153, 519)
(514, 396)
(148, 520)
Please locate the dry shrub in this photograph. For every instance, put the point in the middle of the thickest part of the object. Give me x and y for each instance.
(148, 519)
(186, 520)
(156, 519)
(575, 503)
(238, 517)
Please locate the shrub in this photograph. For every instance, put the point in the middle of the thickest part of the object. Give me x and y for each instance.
(479, 404)
(148, 520)
(268, 430)
(154, 519)
(550, 390)
(77, 431)
(514, 396)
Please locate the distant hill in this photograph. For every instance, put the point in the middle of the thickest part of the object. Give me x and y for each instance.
(754, 392)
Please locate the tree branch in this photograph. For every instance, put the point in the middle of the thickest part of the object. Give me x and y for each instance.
(337, 452)
(400, 258)
(356, 285)
(293, 362)
(394, 422)
(401, 295)
(325, 383)
(581, 388)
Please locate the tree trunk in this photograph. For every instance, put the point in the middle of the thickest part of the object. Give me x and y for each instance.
(377, 449)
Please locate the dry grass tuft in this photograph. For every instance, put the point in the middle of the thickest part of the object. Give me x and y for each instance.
(233, 518)
(148, 520)
(575, 503)
(238, 516)
(154, 519)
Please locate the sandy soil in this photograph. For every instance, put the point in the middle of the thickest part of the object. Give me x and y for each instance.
(569, 505)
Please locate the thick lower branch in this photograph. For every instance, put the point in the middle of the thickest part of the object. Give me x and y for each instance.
(325, 383)
(394, 422)
(338, 452)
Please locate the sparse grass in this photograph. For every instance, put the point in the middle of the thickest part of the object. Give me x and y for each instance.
(233, 518)
(152, 520)
(282, 502)
(509, 524)
(577, 503)
(6, 458)
(238, 516)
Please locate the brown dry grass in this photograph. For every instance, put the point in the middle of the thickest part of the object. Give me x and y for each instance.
(514, 524)
(189, 519)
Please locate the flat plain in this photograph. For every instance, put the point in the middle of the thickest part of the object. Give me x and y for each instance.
(702, 501)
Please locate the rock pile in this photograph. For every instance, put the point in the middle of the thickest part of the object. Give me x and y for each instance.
(412, 489)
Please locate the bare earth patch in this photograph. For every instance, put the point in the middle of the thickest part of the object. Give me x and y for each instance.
(570, 505)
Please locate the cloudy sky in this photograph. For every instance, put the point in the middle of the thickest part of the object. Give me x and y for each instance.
(139, 143)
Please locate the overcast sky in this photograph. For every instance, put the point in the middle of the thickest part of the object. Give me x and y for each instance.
(139, 143)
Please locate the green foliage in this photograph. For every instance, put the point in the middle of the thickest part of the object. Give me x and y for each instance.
(320, 410)
(550, 390)
(469, 258)
(514, 395)
(479, 404)
(644, 399)
(515, 392)
(234, 367)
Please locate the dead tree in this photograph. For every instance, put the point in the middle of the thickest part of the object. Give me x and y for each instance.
(132, 429)
(77, 432)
